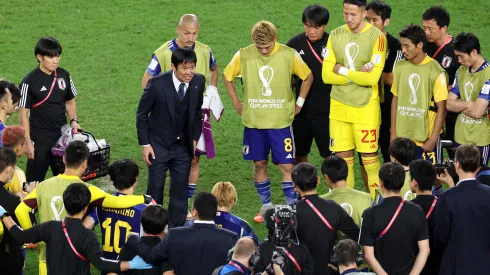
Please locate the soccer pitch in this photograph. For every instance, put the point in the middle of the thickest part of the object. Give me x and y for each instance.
(108, 44)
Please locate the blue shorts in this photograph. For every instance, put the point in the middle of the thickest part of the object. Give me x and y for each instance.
(434, 156)
(258, 143)
(483, 152)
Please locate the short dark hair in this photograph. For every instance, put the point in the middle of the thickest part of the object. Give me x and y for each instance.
(10, 156)
(335, 168)
(305, 176)
(183, 56)
(76, 197)
(206, 206)
(15, 92)
(48, 46)
(359, 3)
(76, 153)
(392, 175)
(466, 42)
(424, 173)
(154, 219)
(438, 14)
(317, 15)
(380, 8)
(414, 33)
(345, 252)
(123, 173)
(468, 157)
(4, 84)
(404, 150)
(6, 158)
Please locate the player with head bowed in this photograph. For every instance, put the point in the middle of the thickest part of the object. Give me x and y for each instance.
(269, 105)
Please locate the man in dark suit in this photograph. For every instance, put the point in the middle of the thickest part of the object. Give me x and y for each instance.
(168, 121)
(196, 249)
(462, 219)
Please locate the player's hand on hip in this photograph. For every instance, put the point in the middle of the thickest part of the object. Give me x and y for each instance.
(29, 149)
(147, 151)
(238, 107)
(429, 145)
(297, 109)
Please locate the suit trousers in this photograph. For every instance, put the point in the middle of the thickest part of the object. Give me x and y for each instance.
(177, 161)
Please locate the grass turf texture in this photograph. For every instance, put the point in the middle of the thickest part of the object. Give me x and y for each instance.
(108, 44)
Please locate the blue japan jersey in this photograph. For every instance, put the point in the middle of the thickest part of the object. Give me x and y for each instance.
(116, 225)
(235, 224)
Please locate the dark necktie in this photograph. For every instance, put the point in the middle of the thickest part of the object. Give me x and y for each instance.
(181, 91)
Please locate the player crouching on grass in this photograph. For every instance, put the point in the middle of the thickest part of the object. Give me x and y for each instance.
(267, 68)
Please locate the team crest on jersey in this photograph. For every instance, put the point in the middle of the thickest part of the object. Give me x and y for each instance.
(61, 83)
(324, 51)
(446, 61)
(245, 149)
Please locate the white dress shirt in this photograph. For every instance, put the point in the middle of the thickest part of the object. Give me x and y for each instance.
(178, 82)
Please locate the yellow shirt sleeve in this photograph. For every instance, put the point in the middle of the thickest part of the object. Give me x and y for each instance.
(394, 89)
(329, 61)
(378, 58)
(23, 209)
(300, 68)
(111, 201)
(440, 88)
(232, 70)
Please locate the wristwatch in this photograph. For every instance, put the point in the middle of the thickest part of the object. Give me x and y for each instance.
(6, 214)
(74, 119)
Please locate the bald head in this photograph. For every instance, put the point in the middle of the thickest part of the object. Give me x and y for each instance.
(244, 248)
(189, 19)
(187, 30)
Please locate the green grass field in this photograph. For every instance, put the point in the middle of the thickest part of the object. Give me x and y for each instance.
(108, 44)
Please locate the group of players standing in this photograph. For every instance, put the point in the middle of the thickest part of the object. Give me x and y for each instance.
(357, 88)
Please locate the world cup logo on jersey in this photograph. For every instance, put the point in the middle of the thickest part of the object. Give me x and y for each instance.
(57, 207)
(351, 52)
(266, 73)
(414, 83)
(468, 90)
(348, 208)
(409, 195)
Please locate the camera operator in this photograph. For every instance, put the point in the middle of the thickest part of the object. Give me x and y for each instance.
(282, 242)
(243, 260)
(319, 219)
(347, 256)
(465, 246)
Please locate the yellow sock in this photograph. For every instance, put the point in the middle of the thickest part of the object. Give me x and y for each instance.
(351, 177)
(372, 165)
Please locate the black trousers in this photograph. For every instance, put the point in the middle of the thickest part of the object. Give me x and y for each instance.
(177, 161)
(12, 262)
(37, 167)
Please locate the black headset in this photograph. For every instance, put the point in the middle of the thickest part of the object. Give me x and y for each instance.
(359, 257)
(254, 258)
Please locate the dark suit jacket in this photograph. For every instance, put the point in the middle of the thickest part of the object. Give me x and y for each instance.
(196, 249)
(157, 101)
(9, 201)
(463, 229)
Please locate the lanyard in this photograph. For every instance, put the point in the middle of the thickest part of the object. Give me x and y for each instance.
(319, 214)
(449, 38)
(293, 260)
(71, 244)
(237, 266)
(313, 51)
(431, 208)
(392, 220)
(50, 90)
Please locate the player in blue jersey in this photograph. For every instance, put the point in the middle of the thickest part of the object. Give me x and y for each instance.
(117, 224)
(226, 194)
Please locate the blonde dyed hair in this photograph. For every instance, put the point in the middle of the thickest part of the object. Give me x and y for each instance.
(225, 193)
(263, 32)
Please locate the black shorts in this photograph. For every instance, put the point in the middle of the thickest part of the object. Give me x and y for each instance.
(306, 129)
